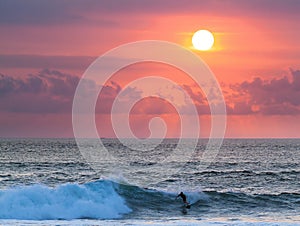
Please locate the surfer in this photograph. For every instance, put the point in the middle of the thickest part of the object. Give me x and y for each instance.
(183, 196)
(186, 204)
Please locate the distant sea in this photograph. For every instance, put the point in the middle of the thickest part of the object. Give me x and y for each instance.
(250, 182)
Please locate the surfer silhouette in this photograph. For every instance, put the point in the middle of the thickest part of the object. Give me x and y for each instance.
(186, 204)
(183, 196)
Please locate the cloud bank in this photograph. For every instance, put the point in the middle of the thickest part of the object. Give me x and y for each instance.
(51, 91)
(278, 96)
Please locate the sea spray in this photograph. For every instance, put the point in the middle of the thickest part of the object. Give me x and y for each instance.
(96, 200)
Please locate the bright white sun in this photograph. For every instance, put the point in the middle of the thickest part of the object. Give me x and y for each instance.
(203, 40)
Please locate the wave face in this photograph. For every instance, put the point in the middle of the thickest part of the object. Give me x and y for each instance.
(96, 200)
(148, 202)
(104, 199)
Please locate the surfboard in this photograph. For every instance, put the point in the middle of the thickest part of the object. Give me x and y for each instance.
(185, 208)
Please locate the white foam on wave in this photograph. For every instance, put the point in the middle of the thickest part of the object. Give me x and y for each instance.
(67, 201)
(163, 222)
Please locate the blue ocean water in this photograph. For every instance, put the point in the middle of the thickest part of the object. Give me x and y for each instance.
(250, 182)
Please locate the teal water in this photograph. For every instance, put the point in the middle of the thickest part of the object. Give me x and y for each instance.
(251, 181)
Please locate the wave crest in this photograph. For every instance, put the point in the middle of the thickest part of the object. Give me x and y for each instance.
(96, 200)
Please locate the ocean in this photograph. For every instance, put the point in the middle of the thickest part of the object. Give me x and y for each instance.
(250, 182)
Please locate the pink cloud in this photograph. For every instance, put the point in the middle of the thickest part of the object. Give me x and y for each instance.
(46, 92)
(153, 106)
(41, 99)
(275, 96)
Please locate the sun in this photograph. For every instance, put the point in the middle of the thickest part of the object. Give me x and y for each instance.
(203, 40)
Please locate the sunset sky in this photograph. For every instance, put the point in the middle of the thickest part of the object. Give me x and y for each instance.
(46, 46)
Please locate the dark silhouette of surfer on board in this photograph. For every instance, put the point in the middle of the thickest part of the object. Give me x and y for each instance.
(183, 196)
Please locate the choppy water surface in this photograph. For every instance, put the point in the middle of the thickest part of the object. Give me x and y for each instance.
(249, 181)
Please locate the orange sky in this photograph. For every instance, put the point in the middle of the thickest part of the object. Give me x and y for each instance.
(46, 46)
